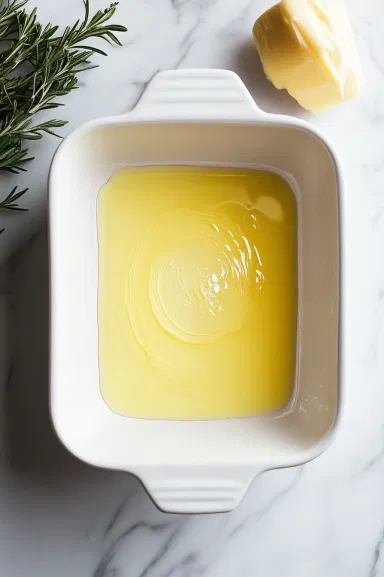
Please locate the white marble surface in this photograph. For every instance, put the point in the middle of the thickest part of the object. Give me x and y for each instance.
(60, 517)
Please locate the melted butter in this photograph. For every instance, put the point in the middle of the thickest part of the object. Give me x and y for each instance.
(197, 292)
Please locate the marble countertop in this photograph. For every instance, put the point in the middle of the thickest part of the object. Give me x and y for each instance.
(61, 517)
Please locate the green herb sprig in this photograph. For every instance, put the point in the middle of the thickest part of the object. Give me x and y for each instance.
(37, 66)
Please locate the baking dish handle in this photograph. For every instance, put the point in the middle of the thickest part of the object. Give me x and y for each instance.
(212, 491)
(196, 94)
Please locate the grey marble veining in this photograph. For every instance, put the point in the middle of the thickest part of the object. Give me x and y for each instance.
(61, 517)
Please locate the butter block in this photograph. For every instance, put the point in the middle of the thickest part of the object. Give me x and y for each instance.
(308, 48)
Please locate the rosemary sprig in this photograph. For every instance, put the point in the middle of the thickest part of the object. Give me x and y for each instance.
(37, 66)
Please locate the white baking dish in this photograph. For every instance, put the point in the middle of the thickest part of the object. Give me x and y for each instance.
(198, 117)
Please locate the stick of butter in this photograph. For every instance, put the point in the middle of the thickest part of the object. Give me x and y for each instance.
(307, 47)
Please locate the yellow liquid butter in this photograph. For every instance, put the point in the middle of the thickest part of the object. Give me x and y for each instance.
(197, 292)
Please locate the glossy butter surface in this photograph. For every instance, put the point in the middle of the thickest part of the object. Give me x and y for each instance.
(307, 47)
(197, 292)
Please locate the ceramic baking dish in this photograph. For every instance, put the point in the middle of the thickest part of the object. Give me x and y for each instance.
(193, 117)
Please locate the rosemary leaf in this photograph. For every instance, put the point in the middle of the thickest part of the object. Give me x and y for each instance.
(10, 201)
